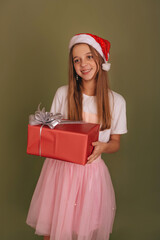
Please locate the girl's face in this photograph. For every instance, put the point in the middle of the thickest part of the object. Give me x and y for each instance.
(84, 64)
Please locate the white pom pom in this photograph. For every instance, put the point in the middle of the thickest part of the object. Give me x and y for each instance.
(106, 66)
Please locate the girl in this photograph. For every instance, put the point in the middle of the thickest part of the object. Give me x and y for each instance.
(72, 201)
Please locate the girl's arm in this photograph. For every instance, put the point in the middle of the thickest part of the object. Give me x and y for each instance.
(101, 147)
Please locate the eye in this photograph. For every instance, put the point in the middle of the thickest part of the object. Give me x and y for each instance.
(89, 56)
(76, 60)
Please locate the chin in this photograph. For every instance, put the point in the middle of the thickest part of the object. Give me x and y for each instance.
(88, 78)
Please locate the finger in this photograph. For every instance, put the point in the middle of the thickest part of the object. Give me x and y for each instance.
(92, 155)
(94, 143)
(89, 162)
(92, 159)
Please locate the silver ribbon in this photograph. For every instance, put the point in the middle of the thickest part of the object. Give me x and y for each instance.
(45, 118)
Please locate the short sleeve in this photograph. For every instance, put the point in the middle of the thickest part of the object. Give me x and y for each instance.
(56, 104)
(119, 121)
(59, 104)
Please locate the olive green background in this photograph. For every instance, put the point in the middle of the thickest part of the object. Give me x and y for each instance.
(34, 36)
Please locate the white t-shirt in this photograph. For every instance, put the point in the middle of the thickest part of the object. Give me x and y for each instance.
(117, 106)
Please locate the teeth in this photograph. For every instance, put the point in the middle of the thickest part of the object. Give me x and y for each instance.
(85, 71)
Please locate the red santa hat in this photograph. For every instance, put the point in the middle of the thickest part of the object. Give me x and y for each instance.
(101, 45)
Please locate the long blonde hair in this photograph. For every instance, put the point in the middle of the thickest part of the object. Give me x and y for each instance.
(101, 92)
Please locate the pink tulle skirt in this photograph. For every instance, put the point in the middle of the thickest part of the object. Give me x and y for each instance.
(73, 202)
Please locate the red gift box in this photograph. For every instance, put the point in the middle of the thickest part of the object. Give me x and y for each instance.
(67, 142)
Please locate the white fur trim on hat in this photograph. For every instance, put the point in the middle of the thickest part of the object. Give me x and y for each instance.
(84, 38)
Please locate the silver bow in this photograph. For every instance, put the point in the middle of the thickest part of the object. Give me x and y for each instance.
(45, 118)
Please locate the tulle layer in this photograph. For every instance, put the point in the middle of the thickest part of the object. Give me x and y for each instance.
(73, 202)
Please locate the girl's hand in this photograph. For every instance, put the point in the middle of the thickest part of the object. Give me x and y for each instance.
(99, 148)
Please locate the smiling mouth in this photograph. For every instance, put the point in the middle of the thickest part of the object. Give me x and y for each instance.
(86, 71)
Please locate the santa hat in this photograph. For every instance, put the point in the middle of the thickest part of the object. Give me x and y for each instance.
(101, 45)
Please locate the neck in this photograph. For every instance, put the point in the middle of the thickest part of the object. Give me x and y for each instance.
(89, 87)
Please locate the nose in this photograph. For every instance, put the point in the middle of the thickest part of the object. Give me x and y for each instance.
(83, 62)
